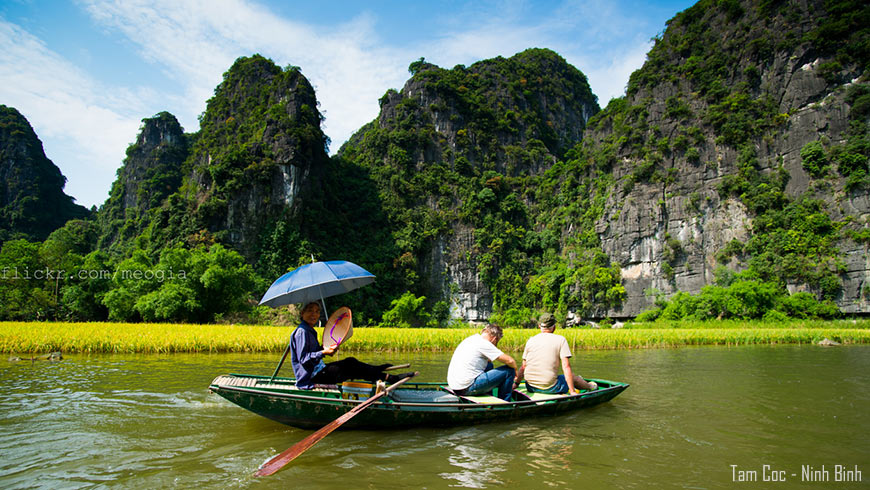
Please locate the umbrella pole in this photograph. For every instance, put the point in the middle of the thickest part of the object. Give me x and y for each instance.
(325, 313)
(287, 350)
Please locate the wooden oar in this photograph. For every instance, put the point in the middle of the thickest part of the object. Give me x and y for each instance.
(278, 462)
(400, 366)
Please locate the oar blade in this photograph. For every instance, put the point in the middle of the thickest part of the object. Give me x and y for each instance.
(279, 461)
(276, 463)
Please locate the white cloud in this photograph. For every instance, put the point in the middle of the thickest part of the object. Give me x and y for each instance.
(84, 128)
(603, 41)
(487, 41)
(86, 125)
(609, 80)
(195, 42)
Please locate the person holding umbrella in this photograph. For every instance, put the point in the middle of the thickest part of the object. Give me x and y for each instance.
(307, 358)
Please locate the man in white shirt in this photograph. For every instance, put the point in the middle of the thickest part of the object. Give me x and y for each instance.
(471, 370)
(541, 358)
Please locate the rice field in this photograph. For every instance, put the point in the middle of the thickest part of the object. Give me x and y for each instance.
(742, 324)
(42, 338)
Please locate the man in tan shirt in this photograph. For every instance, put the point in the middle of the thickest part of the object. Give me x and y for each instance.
(541, 359)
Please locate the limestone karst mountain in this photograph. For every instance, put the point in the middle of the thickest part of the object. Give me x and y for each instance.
(32, 201)
(738, 156)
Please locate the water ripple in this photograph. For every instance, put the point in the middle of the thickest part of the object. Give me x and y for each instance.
(149, 422)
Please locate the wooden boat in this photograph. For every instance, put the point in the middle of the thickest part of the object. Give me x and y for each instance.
(412, 404)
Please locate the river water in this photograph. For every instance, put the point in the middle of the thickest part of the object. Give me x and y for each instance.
(700, 418)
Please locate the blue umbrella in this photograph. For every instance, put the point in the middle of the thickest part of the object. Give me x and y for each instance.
(312, 282)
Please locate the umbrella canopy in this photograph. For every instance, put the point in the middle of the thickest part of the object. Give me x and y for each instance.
(312, 282)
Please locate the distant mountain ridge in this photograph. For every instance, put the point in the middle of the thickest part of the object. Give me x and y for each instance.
(32, 201)
(501, 189)
(711, 166)
(458, 153)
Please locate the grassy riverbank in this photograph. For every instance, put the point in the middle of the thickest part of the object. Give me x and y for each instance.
(34, 338)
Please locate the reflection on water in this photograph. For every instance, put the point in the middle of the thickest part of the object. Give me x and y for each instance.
(149, 422)
(475, 465)
(550, 451)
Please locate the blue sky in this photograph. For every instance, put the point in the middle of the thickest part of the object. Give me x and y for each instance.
(86, 72)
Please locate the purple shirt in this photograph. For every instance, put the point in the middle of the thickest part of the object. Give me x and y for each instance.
(306, 355)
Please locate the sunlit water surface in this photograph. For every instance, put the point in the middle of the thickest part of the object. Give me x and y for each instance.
(148, 421)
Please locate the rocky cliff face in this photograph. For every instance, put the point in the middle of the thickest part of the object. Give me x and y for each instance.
(726, 102)
(741, 146)
(453, 151)
(259, 146)
(32, 201)
(151, 172)
(237, 181)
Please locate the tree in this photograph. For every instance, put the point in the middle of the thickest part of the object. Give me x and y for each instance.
(407, 311)
(26, 293)
(814, 160)
(188, 285)
(416, 66)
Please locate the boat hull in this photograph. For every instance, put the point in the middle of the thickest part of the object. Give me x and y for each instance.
(412, 405)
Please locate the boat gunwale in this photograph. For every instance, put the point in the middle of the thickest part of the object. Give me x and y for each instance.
(398, 404)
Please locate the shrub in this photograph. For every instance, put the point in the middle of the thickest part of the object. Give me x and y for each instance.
(649, 315)
(830, 71)
(775, 316)
(805, 305)
(693, 155)
(742, 298)
(515, 317)
(407, 311)
(814, 159)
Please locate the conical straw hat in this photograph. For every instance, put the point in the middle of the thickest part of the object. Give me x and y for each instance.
(338, 328)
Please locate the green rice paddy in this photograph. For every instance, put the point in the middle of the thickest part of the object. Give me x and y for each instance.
(40, 337)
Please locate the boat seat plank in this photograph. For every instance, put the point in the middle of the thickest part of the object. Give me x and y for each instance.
(539, 397)
(264, 383)
(479, 399)
(423, 396)
(327, 388)
(484, 399)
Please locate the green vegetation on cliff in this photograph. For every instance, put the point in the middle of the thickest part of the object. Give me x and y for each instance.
(150, 173)
(497, 188)
(481, 164)
(185, 214)
(32, 201)
(261, 123)
(717, 69)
